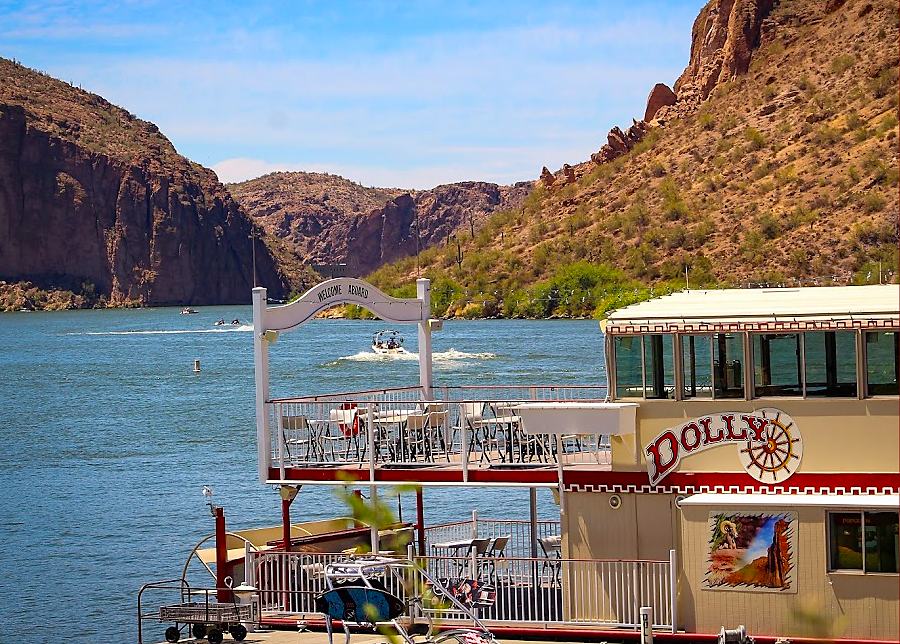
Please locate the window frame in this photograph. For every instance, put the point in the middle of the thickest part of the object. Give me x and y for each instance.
(862, 528)
(863, 357)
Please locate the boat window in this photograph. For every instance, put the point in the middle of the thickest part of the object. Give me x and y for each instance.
(864, 541)
(629, 367)
(659, 365)
(881, 363)
(728, 365)
(776, 360)
(830, 362)
(696, 366)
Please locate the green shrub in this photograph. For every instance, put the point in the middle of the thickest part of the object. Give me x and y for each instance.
(826, 135)
(769, 225)
(673, 206)
(706, 121)
(842, 63)
(884, 83)
(755, 138)
(873, 202)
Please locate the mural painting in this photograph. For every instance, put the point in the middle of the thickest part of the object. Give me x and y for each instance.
(752, 551)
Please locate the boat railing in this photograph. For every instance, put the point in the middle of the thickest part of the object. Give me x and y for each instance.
(401, 429)
(519, 542)
(546, 591)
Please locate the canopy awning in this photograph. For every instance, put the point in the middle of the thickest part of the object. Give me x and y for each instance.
(877, 501)
(772, 309)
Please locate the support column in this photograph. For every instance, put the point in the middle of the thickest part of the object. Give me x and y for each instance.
(222, 591)
(423, 293)
(261, 377)
(532, 503)
(420, 521)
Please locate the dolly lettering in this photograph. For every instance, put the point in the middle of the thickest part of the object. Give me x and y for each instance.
(665, 452)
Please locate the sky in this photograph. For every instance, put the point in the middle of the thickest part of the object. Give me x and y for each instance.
(393, 94)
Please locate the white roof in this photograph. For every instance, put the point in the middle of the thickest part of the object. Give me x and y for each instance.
(891, 501)
(859, 306)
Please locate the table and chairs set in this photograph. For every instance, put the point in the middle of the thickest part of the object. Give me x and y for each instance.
(486, 433)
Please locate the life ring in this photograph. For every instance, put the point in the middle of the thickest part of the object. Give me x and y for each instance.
(351, 428)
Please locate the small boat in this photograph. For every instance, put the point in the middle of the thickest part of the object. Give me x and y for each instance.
(188, 310)
(387, 341)
(219, 322)
(236, 322)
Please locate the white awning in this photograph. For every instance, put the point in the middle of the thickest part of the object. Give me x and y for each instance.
(873, 306)
(890, 501)
(606, 418)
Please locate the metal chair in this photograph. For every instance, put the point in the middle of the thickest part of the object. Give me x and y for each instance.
(496, 550)
(298, 432)
(552, 549)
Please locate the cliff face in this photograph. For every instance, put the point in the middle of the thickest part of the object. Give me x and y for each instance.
(722, 41)
(775, 161)
(116, 209)
(326, 219)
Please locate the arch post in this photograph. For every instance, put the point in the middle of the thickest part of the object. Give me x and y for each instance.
(261, 373)
(423, 293)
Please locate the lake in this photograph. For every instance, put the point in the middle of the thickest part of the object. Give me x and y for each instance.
(109, 437)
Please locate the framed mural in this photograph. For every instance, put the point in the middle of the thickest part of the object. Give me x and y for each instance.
(752, 551)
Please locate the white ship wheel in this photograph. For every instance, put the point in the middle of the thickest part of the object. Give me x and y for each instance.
(779, 456)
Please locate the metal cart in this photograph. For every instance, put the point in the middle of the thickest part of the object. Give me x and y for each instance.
(207, 619)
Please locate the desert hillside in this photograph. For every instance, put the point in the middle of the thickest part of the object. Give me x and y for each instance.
(772, 159)
(98, 208)
(325, 219)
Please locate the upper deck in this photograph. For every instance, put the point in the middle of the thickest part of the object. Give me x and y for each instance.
(802, 383)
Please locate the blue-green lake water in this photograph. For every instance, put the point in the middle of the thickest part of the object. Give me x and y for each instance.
(109, 436)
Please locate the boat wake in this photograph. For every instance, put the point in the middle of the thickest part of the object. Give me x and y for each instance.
(450, 356)
(220, 329)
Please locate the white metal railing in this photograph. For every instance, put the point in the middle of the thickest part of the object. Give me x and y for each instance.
(518, 532)
(472, 427)
(542, 590)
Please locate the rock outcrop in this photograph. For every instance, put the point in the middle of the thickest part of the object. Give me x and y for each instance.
(327, 220)
(123, 217)
(619, 142)
(722, 41)
(660, 96)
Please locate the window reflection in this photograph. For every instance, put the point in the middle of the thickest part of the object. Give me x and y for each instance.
(696, 366)
(881, 363)
(629, 368)
(728, 365)
(777, 365)
(830, 360)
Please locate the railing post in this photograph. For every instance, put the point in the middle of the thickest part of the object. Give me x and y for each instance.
(371, 428)
(636, 596)
(673, 588)
(474, 524)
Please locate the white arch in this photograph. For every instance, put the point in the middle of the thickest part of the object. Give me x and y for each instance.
(343, 290)
(268, 321)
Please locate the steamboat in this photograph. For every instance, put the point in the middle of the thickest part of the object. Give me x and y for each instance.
(740, 467)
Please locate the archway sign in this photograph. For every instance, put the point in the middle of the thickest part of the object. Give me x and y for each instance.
(269, 321)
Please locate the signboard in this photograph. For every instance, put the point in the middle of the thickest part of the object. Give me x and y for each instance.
(768, 442)
(344, 290)
(752, 551)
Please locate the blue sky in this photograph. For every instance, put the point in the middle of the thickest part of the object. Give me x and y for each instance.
(401, 94)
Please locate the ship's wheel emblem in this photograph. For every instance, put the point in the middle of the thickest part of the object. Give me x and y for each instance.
(779, 456)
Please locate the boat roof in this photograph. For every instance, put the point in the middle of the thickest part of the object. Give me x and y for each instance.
(763, 309)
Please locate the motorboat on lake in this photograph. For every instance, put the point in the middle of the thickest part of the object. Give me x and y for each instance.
(188, 311)
(387, 341)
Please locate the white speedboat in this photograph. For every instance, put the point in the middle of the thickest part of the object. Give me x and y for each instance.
(387, 341)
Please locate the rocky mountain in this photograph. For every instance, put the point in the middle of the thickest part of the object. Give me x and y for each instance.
(97, 202)
(773, 158)
(326, 220)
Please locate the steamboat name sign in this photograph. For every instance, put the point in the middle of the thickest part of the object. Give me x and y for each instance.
(768, 443)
